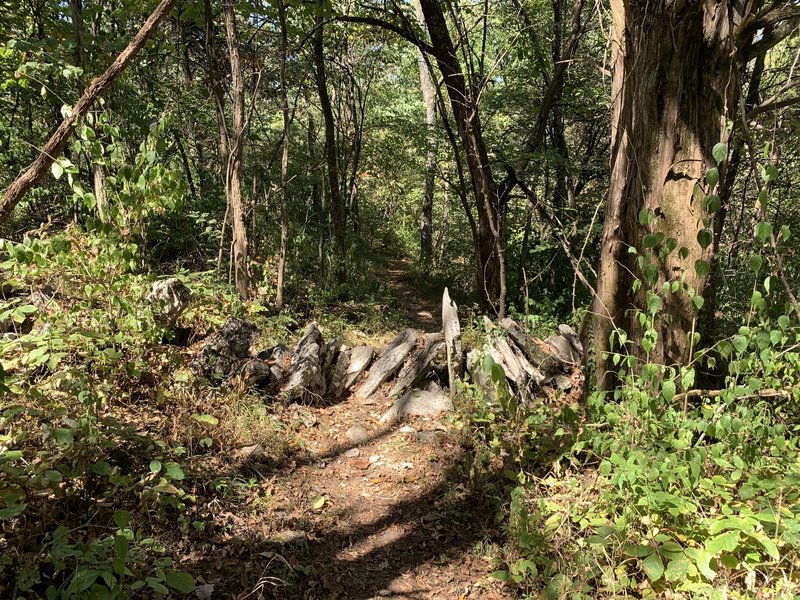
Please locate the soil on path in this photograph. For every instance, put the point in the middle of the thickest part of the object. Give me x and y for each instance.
(390, 517)
(421, 304)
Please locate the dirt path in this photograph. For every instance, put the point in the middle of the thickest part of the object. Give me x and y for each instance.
(391, 517)
(421, 305)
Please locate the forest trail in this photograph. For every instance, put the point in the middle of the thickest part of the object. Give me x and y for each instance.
(374, 512)
(420, 304)
(369, 510)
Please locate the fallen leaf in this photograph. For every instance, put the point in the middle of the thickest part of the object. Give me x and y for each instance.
(319, 503)
(360, 463)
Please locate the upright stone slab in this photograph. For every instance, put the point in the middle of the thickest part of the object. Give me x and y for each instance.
(169, 298)
(452, 338)
(418, 363)
(306, 380)
(390, 360)
(359, 359)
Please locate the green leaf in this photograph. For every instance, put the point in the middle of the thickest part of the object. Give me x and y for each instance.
(651, 240)
(712, 203)
(678, 570)
(705, 237)
(702, 561)
(174, 471)
(183, 582)
(702, 267)
(698, 302)
(207, 419)
(725, 542)
(654, 303)
(769, 546)
(668, 390)
(763, 229)
(155, 466)
(755, 263)
(740, 343)
(719, 152)
(57, 170)
(712, 176)
(122, 518)
(653, 567)
(637, 550)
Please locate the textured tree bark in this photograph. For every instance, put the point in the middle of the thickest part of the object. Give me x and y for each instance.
(337, 214)
(491, 256)
(673, 83)
(234, 171)
(429, 99)
(55, 145)
(284, 158)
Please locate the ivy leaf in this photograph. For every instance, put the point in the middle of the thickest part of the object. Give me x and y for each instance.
(720, 153)
(704, 238)
(755, 263)
(712, 176)
(57, 170)
(712, 203)
(763, 229)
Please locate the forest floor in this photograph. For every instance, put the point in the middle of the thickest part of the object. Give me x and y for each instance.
(360, 510)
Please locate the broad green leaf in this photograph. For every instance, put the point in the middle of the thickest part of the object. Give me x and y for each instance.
(207, 419)
(702, 560)
(712, 176)
(668, 390)
(653, 567)
(705, 238)
(755, 263)
(719, 152)
(174, 471)
(763, 229)
(183, 582)
(725, 542)
(702, 267)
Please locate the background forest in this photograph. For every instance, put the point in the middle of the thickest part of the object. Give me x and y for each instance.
(625, 168)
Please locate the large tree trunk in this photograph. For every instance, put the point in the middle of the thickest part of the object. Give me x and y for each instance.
(55, 145)
(491, 258)
(331, 158)
(429, 98)
(673, 84)
(234, 171)
(284, 158)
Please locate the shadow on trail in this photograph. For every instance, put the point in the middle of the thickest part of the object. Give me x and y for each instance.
(437, 527)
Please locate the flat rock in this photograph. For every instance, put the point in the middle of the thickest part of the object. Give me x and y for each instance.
(418, 403)
(360, 358)
(357, 434)
(389, 362)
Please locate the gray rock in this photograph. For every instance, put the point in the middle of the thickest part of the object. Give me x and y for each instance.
(564, 349)
(223, 352)
(257, 373)
(389, 362)
(418, 403)
(357, 434)
(306, 380)
(562, 382)
(169, 298)
(360, 357)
